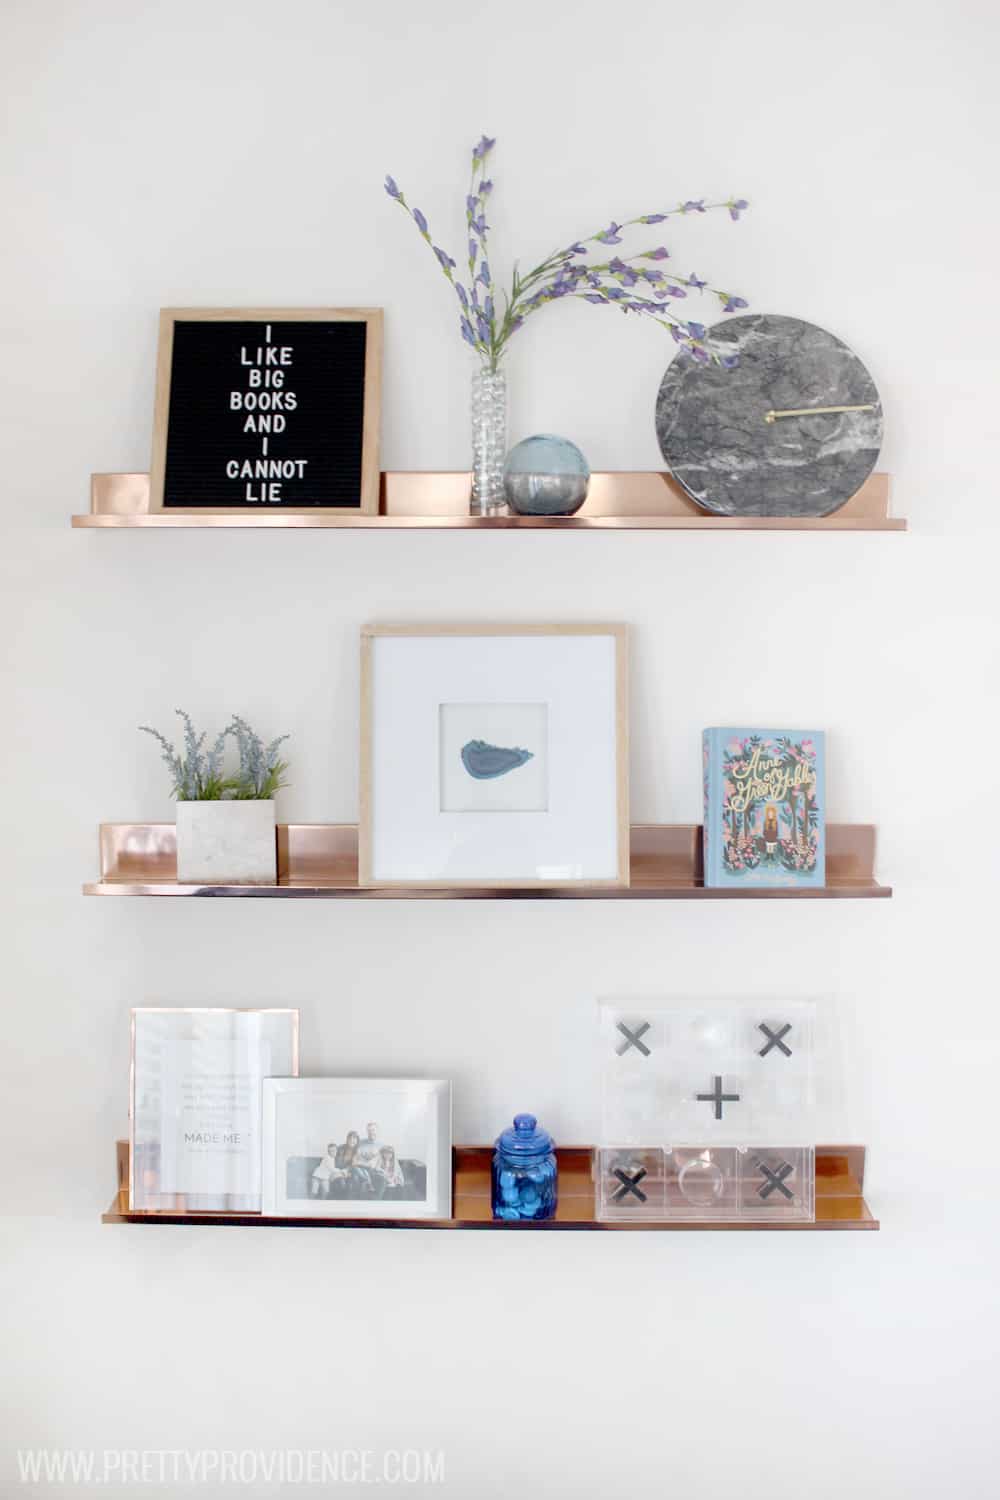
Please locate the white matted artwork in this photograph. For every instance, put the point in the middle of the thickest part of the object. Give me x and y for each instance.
(357, 1148)
(195, 1104)
(494, 755)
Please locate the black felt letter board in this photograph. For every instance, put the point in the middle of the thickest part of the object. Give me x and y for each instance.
(265, 414)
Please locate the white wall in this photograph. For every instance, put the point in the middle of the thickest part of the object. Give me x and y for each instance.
(233, 153)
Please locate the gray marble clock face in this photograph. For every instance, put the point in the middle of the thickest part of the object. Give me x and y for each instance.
(715, 437)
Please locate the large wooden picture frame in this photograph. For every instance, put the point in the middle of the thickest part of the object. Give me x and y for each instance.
(494, 756)
(357, 435)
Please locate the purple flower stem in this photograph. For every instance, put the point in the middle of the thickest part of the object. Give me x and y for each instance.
(564, 274)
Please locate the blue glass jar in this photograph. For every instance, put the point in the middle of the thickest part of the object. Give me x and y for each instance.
(525, 1174)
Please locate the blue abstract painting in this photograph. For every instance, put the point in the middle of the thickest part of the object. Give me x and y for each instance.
(485, 762)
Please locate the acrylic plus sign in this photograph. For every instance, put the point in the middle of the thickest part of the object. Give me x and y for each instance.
(717, 1097)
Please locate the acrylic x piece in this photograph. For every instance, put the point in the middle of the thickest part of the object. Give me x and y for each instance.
(706, 1183)
(730, 1072)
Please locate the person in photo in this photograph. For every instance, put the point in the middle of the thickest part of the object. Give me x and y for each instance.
(389, 1167)
(346, 1159)
(328, 1171)
(348, 1151)
(369, 1149)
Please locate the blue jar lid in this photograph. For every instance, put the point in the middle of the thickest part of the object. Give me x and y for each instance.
(526, 1139)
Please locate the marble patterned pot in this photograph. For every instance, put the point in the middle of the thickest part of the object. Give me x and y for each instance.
(226, 843)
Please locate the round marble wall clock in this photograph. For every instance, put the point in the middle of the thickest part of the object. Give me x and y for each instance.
(793, 430)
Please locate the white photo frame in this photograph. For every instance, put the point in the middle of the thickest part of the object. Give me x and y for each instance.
(398, 1168)
(545, 797)
(195, 1104)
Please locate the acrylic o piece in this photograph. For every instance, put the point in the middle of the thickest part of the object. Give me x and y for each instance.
(701, 1181)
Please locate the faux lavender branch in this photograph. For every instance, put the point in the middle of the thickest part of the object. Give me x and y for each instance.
(175, 765)
(261, 771)
(199, 777)
(565, 274)
(195, 776)
(213, 764)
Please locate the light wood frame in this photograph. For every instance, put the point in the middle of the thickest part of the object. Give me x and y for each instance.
(370, 316)
(619, 633)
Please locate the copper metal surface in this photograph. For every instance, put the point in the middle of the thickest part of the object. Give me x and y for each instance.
(628, 500)
(317, 860)
(840, 1200)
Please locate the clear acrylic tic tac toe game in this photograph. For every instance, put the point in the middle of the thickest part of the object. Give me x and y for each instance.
(698, 1100)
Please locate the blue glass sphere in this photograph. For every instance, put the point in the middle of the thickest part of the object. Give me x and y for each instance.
(546, 476)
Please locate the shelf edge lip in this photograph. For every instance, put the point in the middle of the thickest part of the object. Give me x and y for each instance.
(867, 1224)
(188, 521)
(860, 892)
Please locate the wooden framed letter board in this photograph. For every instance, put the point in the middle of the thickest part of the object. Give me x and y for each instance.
(267, 409)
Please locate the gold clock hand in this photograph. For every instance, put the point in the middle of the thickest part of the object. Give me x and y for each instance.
(814, 411)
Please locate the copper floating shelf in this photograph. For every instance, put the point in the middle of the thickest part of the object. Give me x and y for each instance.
(626, 501)
(320, 860)
(840, 1200)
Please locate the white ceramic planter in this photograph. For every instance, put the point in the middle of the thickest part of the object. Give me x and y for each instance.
(226, 843)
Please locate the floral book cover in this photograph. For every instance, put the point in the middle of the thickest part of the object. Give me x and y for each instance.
(765, 807)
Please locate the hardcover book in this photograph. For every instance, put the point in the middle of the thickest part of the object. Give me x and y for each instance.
(765, 807)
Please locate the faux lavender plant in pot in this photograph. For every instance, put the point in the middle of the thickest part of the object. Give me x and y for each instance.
(575, 271)
(225, 818)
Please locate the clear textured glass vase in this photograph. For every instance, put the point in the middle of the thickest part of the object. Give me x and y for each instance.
(489, 441)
